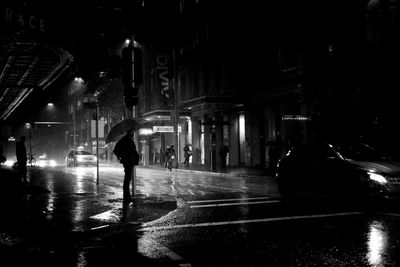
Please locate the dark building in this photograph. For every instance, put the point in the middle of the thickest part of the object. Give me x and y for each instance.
(240, 74)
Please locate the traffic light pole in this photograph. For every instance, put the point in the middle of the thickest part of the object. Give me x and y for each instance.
(133, 113)
(97, 141)
(133, 73)
(176, 113)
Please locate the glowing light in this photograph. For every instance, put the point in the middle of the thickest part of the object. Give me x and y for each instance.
(377, 178)
(79, 80)
(377, 243)
(295, 118)
(145, 131)
(9, 163)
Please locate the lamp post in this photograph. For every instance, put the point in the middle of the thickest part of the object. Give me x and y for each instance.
(28, 127)
(74, 127)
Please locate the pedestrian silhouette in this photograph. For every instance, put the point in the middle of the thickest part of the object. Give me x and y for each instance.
(223, 153)
(187, 154)
(169, 157)
(20, 151)
(126, 152)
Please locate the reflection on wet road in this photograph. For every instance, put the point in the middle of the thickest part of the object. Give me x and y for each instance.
(231, 221)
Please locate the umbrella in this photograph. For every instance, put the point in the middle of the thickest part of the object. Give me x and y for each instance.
(122, 127)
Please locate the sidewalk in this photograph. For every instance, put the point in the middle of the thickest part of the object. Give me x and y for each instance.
(28, 234)
(244, 172)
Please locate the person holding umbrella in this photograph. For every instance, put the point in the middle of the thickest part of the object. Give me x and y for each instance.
(126, 152)
(187, 154)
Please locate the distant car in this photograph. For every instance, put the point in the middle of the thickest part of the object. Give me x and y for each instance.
(45, 161)
(80, 157)
(339, 170)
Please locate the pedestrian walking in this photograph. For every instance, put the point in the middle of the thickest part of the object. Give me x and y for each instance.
(126, 152)
(169, 156)
(20, 151)
(223, 153)
(187, 153)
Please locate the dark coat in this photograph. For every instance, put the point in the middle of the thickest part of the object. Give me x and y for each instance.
(187, 151)
(126, 152)
(223, 151)
(20, 151)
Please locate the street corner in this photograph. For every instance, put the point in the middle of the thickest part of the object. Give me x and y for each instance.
(142, 209)
(147, 208)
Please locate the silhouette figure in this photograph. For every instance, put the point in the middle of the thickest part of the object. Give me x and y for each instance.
(169, 156)
(20, 151)
(187, 154)
(223, 153)
(126, 152)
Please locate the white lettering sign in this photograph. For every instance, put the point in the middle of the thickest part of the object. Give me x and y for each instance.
(24, 20)
(162, 67)
(166, 129)
(295, 118)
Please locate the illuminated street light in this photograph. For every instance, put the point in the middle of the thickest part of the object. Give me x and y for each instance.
(79, 80)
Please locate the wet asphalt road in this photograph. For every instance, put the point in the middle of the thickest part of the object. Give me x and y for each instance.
(190, 219)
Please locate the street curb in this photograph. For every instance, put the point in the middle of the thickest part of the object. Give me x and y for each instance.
(219, 174)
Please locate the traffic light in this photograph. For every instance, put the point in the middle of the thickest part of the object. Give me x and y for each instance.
(126, 65)
(138, 55)
(131, 98)
(131, 79)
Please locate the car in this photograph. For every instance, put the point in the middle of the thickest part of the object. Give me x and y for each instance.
(45, 161)
(343, 170)
(80, 156)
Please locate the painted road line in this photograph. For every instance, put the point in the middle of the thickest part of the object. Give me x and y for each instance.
(108, 216)
(193, 225)
(99, 227)
(224, 200)
(166, 252)
(234, 204)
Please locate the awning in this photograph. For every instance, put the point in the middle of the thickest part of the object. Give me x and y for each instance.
(26, 66)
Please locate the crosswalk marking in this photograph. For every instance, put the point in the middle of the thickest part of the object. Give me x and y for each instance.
(225, 200)
(234, 204)
(193, 225)
(165, 251)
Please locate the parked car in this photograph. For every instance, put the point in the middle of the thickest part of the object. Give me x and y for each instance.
(80, 156)
(339, 170)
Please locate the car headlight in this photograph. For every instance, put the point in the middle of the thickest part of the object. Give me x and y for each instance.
(377, 178)
(53, 163)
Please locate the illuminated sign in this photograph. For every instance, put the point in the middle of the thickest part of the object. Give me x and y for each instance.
(145, 131)
(163, 74)
(296, 118)
(166, 129)
(11, 139)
